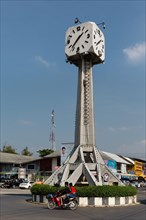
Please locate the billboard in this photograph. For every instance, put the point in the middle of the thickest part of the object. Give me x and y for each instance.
(123, 168)
(112, 165)
(66, 148)
(21, 173)
(138, 168)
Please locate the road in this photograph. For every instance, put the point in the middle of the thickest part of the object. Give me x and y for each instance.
(14, 206)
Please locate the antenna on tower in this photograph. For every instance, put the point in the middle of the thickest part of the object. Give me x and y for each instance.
(52, 132)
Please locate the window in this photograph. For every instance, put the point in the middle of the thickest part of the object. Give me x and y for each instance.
(31, 166)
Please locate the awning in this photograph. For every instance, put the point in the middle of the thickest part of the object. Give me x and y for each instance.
(129, 176)
(116, 158)
(130, 160)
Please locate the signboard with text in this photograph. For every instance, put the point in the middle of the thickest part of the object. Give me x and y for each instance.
(21, 173)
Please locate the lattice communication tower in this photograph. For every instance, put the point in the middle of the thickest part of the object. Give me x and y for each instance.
(52, 132)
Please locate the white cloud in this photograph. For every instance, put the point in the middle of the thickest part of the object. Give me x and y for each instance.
(124, 128)
(24, 122)
(136, 149)
(143, 142)
(118, 129)
(112, 129)
(135, 53)
(43, 62)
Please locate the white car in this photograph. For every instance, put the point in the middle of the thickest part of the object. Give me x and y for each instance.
(25, 185)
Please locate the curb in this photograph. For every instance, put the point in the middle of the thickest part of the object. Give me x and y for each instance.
(95, 201)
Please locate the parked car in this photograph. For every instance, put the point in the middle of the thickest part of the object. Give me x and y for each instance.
(16, 182)
(2, 185)
(10, 183)
(25, 185)
(7, 184)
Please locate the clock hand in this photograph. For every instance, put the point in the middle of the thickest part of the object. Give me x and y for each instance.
(98, 42)
(77, 39)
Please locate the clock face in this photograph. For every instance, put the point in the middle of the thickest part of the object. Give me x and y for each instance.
(98, 42)
(78, 40)
(82, 39)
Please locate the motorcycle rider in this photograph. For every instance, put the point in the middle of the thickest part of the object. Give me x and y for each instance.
(63, 198)
(62, 193)
(72, 193)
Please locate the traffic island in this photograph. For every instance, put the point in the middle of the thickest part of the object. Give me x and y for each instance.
(94, 201)
(98, 196)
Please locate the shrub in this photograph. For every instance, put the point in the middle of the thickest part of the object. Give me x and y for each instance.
(88, 191)
(106, 191)
(44, 189)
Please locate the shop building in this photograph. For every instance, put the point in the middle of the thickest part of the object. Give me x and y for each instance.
(124, 168)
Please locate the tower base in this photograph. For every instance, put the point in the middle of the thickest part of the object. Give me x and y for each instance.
(84, 165)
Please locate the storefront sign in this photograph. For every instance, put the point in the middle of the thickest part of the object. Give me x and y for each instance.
(138, 168)
(21, 173)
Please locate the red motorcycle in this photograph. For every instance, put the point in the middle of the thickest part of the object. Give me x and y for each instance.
(54, 202)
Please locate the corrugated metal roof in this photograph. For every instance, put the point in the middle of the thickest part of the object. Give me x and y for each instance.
(15, 158)
(56, 153)
(20, 159)
(116, 158)
(130, 160)
(105, 156)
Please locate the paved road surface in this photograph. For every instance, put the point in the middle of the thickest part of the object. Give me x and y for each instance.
(15, 207)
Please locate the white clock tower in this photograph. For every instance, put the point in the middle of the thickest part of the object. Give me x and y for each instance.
(84, 47)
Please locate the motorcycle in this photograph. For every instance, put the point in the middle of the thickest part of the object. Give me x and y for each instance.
(54, 202)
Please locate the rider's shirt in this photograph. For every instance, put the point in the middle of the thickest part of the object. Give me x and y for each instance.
(72, 190)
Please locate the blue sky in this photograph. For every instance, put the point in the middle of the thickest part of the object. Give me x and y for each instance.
(36, 79)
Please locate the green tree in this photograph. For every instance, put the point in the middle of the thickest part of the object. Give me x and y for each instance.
(9, 149)
(26, 152)
(44, 152)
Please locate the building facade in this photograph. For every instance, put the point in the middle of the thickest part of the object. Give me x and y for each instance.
(123, 167)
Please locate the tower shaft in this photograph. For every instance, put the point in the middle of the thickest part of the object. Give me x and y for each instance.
(84, 127)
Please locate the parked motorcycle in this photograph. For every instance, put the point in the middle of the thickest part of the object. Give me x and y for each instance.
(54, 202)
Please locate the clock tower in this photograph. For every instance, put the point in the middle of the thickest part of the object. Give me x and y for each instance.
(84, 47)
